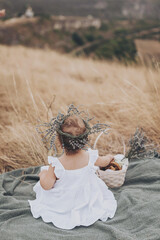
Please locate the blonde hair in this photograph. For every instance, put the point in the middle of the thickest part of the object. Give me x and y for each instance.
(73, 125)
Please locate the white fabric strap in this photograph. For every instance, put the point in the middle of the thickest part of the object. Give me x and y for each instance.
(59, 169)
(93, 155)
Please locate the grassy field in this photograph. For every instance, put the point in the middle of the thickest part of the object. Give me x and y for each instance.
(148, 50)
(36, 84)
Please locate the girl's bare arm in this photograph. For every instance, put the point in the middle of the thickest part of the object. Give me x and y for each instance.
(47, 178)
(103, 161)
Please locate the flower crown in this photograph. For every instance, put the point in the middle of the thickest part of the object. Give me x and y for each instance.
(53, 128)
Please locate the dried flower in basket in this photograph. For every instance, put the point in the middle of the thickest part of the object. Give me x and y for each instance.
(139, 146)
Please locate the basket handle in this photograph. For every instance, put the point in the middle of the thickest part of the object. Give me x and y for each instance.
(95, 143)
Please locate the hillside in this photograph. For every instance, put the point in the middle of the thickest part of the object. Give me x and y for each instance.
(36, 84)
(117, 9)
(77, 36)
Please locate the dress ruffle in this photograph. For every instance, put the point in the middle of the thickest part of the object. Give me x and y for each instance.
(83, 211)
(59, 170)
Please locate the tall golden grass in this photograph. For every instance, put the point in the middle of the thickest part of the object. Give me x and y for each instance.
(36, 84)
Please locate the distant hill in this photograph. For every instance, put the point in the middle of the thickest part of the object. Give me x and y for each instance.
(110, 40)
(110, 9)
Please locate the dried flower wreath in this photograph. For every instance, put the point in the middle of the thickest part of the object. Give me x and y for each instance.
(53, 128)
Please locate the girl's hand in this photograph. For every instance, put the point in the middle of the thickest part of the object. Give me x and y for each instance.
(47, 178)
(104, 161)
(107, 159)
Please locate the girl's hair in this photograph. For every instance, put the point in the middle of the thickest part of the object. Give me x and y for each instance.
(75, 126)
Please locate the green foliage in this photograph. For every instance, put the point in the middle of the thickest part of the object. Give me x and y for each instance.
(104, 27)
(145, 25)
(122, 48)
(125, 49)
(105, 50)
(92, 29)
(90, 37)
(120, 32)
(77, 39)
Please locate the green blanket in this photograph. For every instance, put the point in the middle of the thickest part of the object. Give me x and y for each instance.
(137, 216)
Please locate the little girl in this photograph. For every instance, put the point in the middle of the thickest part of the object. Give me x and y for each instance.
(69, 192)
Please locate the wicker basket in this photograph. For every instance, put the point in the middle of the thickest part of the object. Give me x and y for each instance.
(114, 179)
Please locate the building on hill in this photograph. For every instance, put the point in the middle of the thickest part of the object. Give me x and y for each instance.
(137, 11)
(29, 12)
(69, 23)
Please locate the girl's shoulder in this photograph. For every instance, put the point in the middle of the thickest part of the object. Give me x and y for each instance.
(59, 168)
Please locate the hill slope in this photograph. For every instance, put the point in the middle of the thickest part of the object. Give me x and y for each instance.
(36, 84)
(111, 40)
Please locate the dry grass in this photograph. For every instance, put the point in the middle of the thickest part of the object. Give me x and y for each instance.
(123, 96)
(148, 51)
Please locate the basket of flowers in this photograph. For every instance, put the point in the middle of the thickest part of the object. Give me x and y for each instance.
(139, 146)
(114, 174)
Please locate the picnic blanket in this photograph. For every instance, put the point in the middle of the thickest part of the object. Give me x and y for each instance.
(137, 216)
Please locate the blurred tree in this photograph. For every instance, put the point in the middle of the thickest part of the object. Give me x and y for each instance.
(90, 37)
(77, 39)
(122, 48)
(104, 27)
(125, 49)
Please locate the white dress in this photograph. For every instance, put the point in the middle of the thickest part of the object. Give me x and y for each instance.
(79, 197)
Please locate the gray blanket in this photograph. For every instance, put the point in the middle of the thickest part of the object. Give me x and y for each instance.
(137, 216)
